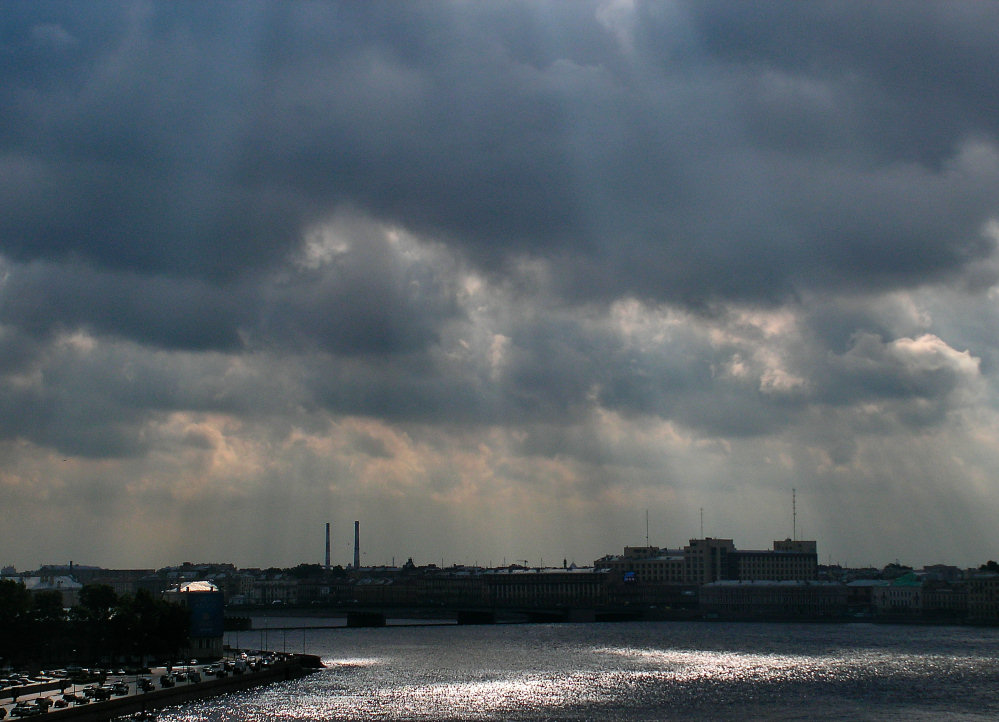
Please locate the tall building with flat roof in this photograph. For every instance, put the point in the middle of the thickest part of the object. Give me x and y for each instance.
(708, 560)
(800, 546)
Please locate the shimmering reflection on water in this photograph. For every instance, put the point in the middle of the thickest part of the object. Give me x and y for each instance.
(633, 672)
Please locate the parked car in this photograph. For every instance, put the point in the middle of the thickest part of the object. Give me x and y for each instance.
(146, 684)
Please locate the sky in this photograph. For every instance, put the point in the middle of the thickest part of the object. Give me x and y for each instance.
(499, 280)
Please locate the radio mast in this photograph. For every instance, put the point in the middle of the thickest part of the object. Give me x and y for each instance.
(794, 514)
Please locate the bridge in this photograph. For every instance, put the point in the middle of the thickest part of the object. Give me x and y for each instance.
(372, 616)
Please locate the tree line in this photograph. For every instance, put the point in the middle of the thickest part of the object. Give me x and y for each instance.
(102, 628)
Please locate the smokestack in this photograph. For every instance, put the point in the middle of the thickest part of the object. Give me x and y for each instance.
(357, 545)
(327, 545)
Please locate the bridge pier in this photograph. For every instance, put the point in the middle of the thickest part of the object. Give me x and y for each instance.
(365, 619)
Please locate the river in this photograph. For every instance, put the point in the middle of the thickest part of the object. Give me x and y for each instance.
(626, 671)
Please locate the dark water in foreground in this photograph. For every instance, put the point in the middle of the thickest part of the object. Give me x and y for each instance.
(633, 671)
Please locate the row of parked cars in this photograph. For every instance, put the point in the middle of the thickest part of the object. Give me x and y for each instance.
(100, 690)
(41, 705)
(13, 681)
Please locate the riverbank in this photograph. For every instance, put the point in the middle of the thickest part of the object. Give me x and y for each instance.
(282, 667)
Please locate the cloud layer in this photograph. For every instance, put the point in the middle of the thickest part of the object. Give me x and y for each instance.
(496, 278)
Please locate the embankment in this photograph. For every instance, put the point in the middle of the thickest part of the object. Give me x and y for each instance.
(291, 667)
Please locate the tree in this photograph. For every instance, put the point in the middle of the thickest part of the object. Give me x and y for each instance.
(990, 566)
(15, 607)
(306, 571)
(98, 603)
(48, 625)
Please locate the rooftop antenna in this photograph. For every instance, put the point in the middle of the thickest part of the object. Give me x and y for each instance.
(794, 514)
(647, 528)
(357, 545)
(702, 522)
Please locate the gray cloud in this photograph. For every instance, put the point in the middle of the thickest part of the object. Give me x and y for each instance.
(182, 155)
(517, 255)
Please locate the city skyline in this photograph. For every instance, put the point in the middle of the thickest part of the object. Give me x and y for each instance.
(497, 278)
(348, 558)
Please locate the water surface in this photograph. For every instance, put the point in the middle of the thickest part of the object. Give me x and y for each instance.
(632, 671)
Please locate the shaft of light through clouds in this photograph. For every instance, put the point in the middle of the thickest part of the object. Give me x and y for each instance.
(495, 279)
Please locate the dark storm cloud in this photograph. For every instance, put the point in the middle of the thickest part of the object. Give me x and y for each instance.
(717, 151)
(161, 166)
(912, 80)
(182, 313)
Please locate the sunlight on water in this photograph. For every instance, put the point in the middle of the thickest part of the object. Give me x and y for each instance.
(689, 665)
(583, 673)
(347, 662)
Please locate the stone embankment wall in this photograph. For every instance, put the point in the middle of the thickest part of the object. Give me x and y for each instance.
(115, 707)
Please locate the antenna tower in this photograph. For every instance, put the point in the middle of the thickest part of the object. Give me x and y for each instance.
(794, 514)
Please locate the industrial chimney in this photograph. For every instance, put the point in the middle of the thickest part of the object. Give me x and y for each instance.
(327, 545)
(357, 545)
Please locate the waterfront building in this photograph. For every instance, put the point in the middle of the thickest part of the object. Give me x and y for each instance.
(944, 601)
(860, 595)
(789, 599)
(207, 617)
(463, 586)
(789, 560)
(274, 588)
(903, 596)
(645, 565)
(983, 599)
(546, 587)
(707, 560)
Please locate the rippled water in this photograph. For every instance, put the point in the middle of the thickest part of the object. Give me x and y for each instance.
(639, 671)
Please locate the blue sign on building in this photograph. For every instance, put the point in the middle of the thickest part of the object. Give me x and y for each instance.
(207, 614)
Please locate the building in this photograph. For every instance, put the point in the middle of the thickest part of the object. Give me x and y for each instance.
(708, 560)
(944, 601)
(645, 565)
(789, 560)
(860, 595)
(122, 581)
(207, 621)
(902, 597)
(983, 599)
(66, 586)
(789, 599)
(545, 587)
